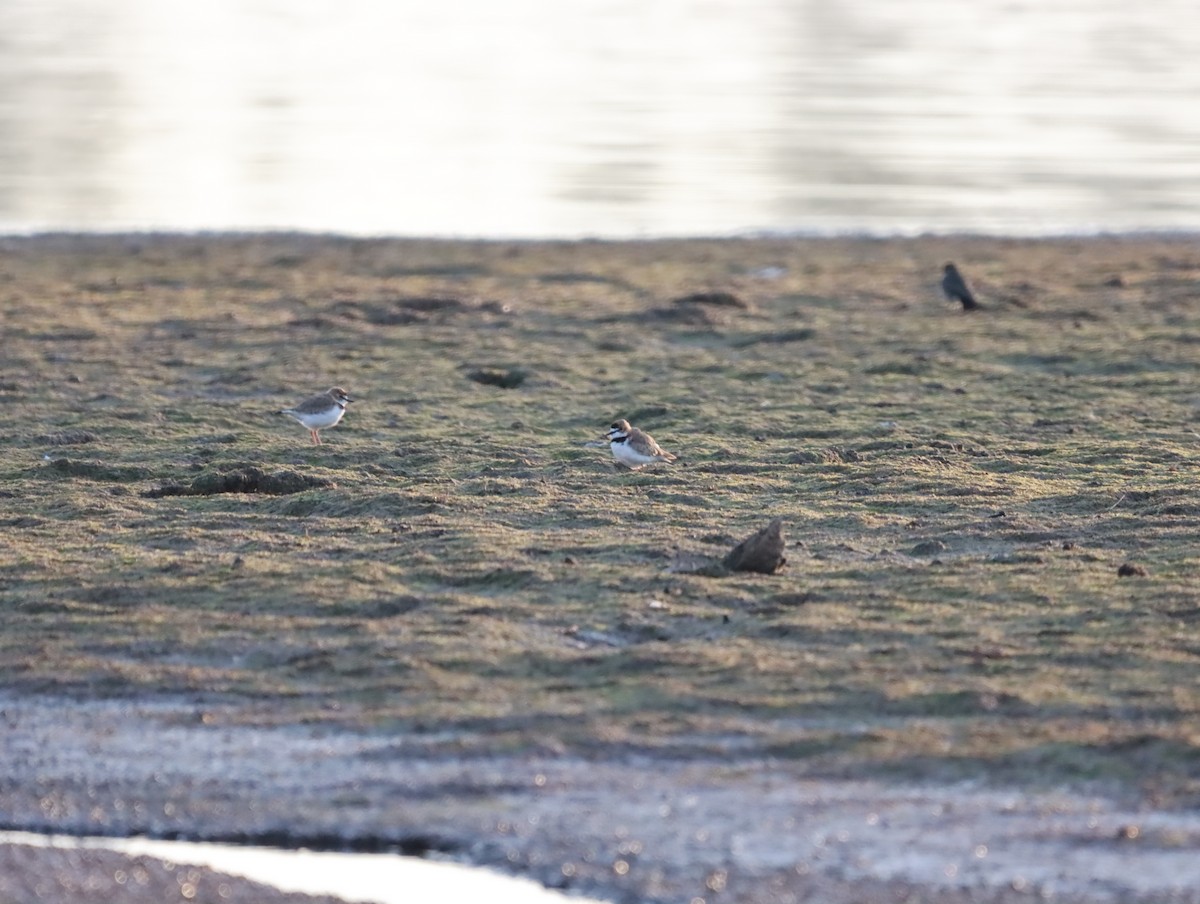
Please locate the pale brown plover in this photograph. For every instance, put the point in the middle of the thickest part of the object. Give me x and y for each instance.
(635, 448)
(320, 411)
(956, 289)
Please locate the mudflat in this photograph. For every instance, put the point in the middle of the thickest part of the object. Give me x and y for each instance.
(456, 626)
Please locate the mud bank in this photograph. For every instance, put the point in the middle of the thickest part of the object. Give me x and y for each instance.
(456, 627)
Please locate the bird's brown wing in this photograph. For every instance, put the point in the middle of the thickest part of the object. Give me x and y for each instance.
(645, 442)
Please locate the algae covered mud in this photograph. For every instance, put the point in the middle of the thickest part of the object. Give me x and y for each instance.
(454, 568)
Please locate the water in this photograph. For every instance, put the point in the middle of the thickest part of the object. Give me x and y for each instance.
(377, 878)
(534, 118)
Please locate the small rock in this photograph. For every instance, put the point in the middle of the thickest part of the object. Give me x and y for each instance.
(1132, 570)
(762, 552)
(928, 548)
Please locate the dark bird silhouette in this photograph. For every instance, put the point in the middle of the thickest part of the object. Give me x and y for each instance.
(956, 289)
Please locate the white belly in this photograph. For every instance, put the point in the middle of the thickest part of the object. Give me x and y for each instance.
(630, 457)
(321, 419)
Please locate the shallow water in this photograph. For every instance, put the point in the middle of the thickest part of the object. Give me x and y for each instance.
(600, 117)
(377, 878)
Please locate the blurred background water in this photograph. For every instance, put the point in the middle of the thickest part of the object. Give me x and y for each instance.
(566, 118)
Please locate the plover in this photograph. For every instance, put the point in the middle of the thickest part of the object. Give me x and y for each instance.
(320, 411)
(634, 448)
(956, 288)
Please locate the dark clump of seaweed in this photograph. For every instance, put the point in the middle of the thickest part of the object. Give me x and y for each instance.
(242, 480)
(505, 378)
(94, 470)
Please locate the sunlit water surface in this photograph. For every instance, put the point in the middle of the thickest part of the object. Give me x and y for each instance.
(376, 878)
(533, 118)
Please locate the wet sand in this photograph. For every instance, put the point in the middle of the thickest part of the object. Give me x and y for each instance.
(631, 827)
(29, 874)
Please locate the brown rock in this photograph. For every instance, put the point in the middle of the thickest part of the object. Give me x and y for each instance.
(1131, 570)
(762, 552)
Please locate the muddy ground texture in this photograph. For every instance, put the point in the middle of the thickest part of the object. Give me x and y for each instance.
(456, 627)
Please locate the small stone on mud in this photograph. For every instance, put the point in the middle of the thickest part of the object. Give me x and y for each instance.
(1132, 570)
(928, 548)
(762, 552)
